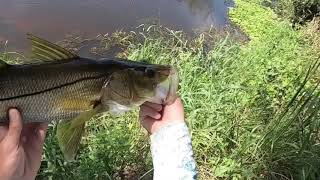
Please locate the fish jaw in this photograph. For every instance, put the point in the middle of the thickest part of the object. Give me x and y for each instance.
(116, 108)
(166, 92)
(173, 87)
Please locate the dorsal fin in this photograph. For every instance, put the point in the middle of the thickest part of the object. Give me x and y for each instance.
(43, 50)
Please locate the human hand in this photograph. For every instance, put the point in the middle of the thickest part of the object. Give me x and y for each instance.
(20, 148)
(154, 116)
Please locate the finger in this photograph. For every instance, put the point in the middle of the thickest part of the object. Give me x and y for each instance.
(42, 130)
(34, 146)
(4, 124)
(36, 131)
(176, 104)
(3, 132)
(15, 126)
(176, 109)
(3, 128)
(147, 111)
(157, 107)
(147, 123)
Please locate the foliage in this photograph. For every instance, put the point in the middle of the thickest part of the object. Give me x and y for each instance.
(287, 151)
(112, 148)
(298, 11)
(252, 108)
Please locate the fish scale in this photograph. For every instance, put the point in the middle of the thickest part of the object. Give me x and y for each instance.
(13, 81)
(50, 106)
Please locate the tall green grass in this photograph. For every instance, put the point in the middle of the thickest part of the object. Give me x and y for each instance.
(252, 108)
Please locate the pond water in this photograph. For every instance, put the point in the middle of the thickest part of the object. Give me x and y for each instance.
(53, 19)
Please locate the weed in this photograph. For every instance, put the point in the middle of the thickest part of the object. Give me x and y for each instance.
(252, 108)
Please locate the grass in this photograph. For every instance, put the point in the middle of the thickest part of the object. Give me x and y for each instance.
(252, 108)
(297, 11)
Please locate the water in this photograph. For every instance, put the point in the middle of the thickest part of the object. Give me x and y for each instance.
(53, 19)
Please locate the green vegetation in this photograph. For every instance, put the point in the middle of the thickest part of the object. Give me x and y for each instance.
(298, 11)
(252, 108)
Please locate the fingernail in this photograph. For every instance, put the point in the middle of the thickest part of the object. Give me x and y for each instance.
(42, 133)
(158, 116)
(12, 112)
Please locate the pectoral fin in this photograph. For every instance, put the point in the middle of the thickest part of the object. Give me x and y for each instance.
(69, 133)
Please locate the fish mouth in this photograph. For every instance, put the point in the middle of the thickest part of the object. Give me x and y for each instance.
(173, 87)
(166, 91)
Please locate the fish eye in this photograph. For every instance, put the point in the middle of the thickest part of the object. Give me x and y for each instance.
(150, 73)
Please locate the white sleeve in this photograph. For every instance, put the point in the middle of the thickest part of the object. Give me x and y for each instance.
(172, 153)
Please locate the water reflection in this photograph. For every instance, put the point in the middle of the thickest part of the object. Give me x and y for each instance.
(54, 19)
(216, 11)
(202, 8)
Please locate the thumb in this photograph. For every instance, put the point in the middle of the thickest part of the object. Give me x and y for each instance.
(174, 112)
(15, 127)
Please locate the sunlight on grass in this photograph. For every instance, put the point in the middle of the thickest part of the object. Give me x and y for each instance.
(252, 107)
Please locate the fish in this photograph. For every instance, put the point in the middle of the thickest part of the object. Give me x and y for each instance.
(55, 84)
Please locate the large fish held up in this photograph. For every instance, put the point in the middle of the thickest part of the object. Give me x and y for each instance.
(61, 86)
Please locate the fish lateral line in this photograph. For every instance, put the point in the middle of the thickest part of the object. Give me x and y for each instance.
(53, 88)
